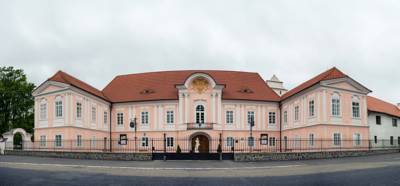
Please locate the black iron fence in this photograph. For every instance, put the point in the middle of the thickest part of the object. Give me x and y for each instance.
(183, 145)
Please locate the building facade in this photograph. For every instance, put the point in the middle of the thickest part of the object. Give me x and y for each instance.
(206, 106)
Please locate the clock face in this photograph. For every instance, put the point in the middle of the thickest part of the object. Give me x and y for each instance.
(200, 85)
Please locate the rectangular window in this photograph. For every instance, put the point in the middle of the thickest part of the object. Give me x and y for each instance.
(250, 141)
(170, 117)
(337, 139)
(170, 141)
(229, 117)
(378, 120)
(394, 122)
(58, 142)
(123, 139)
(145, 118)
(250, 117)
(335, 107)
(296, 113)
(398, 140)
(357, 139)
(59, 109)
(120, 119)
(356, 109)
(311, 139)
(391, 140)
(285, 118)
(264, 139)
(376, 139)
(105, 117)
(145, 141)
(272, 118)
(229, 142)
(93, 114)
(43, 141)
(78, 110)
(311, 108)
(78, 140)
(272, 141)
(93, 142)
(43, 111)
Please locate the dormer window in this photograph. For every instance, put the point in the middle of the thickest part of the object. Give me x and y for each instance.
(246, 91)
(147, 91)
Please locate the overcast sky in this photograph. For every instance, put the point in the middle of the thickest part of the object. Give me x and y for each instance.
(296, 40)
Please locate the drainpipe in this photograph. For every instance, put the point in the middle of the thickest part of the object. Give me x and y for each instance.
(110, 126)
(280, 127)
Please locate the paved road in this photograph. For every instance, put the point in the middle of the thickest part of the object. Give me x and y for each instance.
(372, 170)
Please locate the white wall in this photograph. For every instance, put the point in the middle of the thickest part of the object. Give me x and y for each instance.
(384, 130)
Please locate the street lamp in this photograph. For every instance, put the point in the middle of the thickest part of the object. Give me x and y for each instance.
(251, 140)
(133, 124)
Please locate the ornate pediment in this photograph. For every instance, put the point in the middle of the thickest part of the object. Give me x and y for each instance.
(200, 85)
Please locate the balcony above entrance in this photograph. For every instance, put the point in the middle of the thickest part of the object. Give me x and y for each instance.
(200, 126)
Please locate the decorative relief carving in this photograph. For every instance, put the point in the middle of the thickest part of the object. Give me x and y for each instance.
(200, 85)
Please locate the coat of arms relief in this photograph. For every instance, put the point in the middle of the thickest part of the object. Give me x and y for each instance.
(200, 85)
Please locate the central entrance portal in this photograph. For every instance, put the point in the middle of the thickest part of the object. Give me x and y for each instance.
(200, 144)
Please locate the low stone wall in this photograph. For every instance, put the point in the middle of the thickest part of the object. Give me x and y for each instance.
(307, 155)
(85, 155)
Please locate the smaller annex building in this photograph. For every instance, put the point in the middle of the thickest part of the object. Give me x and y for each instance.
(204, 108)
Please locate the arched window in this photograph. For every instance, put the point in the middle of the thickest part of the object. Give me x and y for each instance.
(200, 114)
(335, 105)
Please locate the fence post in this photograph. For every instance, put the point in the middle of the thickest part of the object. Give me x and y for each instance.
(369, 145)
(165, 146)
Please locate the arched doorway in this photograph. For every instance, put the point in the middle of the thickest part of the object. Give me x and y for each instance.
(203, 143)
(17, 141)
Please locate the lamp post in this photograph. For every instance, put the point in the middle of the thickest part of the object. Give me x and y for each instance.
(132, 124)
(251, 142)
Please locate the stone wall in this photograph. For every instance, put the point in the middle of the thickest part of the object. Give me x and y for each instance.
(307, 155)
(85, 155)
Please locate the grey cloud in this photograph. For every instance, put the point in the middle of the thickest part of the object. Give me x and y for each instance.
(97, 40)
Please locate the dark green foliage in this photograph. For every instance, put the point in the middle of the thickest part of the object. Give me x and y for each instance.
(16, 100)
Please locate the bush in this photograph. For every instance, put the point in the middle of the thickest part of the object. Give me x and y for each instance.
(219, 150)
(178, 150)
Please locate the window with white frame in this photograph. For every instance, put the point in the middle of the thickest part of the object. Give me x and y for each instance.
(229, 117)
(59, 107)
(93, 114)
(311, 108)
(105, 118)
(78, 140)
(335, 105)
(42, 140)
(264, 139)
(170, 141)
(170, 117)
(58, 141)
(145, 118)
(250, 141)
(200, 114)
(357, 139)
(43, 110)
(272, 141)
(145, 141)
(120, 119)
(93, 142)
(337, 139)
(355, 107)
(78, 110)
(250, 117)
(394, 122)
(229, 142)
(272, 118)
(285, 117)
(311, 139)
(296, 113)
(123, 139)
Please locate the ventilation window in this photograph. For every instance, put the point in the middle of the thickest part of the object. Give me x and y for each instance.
(147, 91)
(246, 91)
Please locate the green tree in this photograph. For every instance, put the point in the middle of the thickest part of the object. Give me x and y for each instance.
(16, 100)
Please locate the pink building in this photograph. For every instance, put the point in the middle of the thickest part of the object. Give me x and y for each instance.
(204, 105)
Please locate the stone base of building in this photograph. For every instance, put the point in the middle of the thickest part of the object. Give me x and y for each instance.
(251, 157)
(85, 155)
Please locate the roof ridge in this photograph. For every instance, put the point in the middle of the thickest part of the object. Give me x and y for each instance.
(198, 70)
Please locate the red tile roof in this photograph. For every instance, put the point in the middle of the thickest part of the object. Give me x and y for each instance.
(377, 105)
(63, 77)
(332, 73)
(162, 86)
